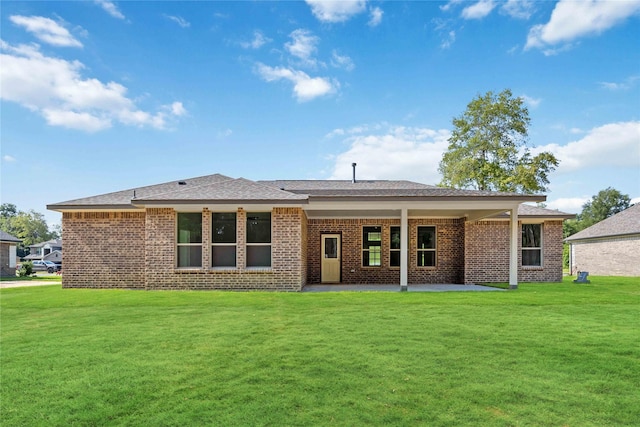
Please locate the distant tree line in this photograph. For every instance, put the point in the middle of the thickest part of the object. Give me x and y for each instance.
(29, 226)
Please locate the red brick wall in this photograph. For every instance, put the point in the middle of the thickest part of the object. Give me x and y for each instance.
(450, 246)
(449, 252)
(286, 267)
(103, 249)
(487, 253)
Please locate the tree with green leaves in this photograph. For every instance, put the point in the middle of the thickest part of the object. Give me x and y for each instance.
(488, 148)
(30, 227)
(606, 203)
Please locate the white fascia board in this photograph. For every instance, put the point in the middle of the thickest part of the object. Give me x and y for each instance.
(494, 205)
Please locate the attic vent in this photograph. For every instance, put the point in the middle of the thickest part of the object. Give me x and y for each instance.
(182, 183)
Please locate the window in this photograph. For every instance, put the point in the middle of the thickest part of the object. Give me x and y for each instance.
(259, 239)
(426, 247)
(189, 239)
(394, 248)
(371, 246)
(223, 239)
(532, 245)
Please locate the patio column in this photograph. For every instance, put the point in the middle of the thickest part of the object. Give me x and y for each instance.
(404, 249)
(513, 250)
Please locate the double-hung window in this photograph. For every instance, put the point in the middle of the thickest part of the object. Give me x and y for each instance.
(426, 249)
(372, 246)
(259, 239)
(189, 239)
(531, 245)
(394, 247)
(223, 239)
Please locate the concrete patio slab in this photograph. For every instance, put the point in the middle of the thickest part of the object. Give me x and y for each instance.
(396, 288)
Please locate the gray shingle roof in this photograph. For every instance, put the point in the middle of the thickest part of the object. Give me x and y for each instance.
(530, 211)
(6, 237)
(223, 189)
(623, 223)
(232, 189)
(379, 188)
(122, 199)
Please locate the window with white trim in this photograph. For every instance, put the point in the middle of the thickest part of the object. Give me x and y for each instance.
(258, 239)
(189, 239)
(426, 250)
(223, 239)
(394, 247)
(372, 246)
(531, 245)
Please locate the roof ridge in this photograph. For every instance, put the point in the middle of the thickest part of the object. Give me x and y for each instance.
(270, 187)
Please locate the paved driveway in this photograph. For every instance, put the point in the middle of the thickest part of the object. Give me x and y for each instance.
(24, 283)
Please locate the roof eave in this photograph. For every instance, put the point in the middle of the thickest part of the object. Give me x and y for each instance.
(352, 198)
(602, 236)
(147, 202)
(102, 207)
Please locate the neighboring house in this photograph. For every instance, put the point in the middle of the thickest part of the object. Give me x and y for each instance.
(8, 255)
(46, 251)
(610, 247)
(216, 232)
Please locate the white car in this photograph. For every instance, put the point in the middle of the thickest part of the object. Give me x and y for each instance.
(47, 266)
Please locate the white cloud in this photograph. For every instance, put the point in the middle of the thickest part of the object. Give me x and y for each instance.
(257, 42)
(448, 40)
(303, 46)
(568, 204)
(73, 120)
(392, 152)
(224, 133)
(519, 9)
(610, 145)
(342, 61)
(46, 30)
(376, 17)
(177, 109)
(9, 159)
(478, 10)
(531, 102)
(635, 200)
(56, 89)
(305, 88)
(111, 8)
(179, 20)
(571, 20)
(449, 5)
(336, 11)
(627, 84)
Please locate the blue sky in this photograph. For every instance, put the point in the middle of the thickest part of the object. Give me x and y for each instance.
(102, 96)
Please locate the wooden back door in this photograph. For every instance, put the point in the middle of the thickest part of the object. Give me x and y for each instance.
(331, 258)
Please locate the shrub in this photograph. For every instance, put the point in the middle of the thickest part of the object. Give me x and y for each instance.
(26, 269)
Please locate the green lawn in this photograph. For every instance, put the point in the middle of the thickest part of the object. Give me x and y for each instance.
(544, 355)
(36, 277)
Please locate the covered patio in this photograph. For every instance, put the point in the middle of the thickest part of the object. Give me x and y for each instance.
(398, 288)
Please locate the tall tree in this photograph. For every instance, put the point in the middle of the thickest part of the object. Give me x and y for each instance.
(606, 203)
(488, 148)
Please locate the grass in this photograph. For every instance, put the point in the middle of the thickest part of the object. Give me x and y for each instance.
(53, 278)
(546, 354)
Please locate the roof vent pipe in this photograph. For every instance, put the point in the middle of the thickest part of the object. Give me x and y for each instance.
(353, 180)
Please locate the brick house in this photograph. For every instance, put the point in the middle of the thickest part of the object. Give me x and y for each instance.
(8, 249)
(216, 232)
(610, 247)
